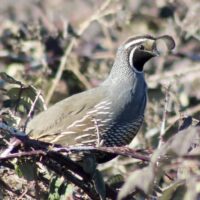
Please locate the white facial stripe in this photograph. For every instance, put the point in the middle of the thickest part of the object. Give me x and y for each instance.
(134, 42)
(131, 60)
(131, 56)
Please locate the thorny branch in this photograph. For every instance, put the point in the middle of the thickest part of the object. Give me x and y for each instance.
(46, 147)
(51, 156)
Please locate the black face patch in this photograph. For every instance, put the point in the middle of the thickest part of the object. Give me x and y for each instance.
(140, 57)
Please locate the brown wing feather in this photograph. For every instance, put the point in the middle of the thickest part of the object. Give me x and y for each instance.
(72, 120)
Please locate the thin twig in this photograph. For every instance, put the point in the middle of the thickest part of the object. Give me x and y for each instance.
(23, 194)
(191, 56)
(63, 62)
(97, 132)
(19, 98)
(60, 71)
(190, 111)
(10, 148)
(31, 110)
(163, 123)
(124, 151)
(23, 154)
(158, 78)
(74, 67)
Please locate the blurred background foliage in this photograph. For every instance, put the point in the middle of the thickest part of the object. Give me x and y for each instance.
(62, 47)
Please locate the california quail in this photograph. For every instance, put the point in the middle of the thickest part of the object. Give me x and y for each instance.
(109, 115)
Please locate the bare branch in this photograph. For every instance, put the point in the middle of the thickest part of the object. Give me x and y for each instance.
(31, 110)
(163, 124)
(98, 14)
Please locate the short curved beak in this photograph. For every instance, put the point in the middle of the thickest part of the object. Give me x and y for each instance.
(155, 52)
(150, 48)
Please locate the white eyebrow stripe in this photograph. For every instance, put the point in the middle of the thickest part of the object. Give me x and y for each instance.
(134, 42)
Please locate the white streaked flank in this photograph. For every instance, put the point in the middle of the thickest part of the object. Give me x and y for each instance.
(79, 125)
(92, 111)
(106, 120)
(67, 132)
(100, 125)
(108, 103)
(82, 136)
(57, 138)
(102, 113)
(96, 120)
(78, 121)
(101, 103)
(88, 129)
(88, 141)
(103, 107)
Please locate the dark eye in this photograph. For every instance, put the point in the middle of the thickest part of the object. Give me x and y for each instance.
(141, 47)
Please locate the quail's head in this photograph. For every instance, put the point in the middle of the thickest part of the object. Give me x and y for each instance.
(142, 48)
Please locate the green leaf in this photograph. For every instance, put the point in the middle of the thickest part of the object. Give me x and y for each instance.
(9, 79)
(27, 96)
(27, 169)
(57, 189)
(7, 116)
(173, 191)
(193, 188)
(99, 184)
(142, 179)
(115, 181)
(178, 145)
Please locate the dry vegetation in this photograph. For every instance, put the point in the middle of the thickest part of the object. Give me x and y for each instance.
(50, 50)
